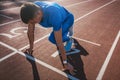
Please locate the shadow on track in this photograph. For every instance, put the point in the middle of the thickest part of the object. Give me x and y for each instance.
(34, 67)
(76, 61)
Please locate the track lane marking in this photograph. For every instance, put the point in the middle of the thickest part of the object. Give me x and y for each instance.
(87, 41)
(20, 19)
(79, 17)
(105, 64)
(9, 9)
(100, 8)
(9, 55)
(10, 22)
(35, 42)
(39, 62)
(56, 53)
(52, 1)
(6, 16)
(68, 53)
(68, 5)
(90, 42)
(78, 3)
(95, 10)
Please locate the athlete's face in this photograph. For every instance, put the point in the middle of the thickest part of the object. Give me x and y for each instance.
(37, 17)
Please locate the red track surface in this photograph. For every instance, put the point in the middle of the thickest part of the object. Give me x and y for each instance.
(96, 28)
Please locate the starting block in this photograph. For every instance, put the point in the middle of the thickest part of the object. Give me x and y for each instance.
(73, 51)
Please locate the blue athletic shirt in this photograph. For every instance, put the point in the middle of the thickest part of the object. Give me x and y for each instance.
(54, 15)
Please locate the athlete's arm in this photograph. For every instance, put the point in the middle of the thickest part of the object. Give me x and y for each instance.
(58, 38)
(30, 34)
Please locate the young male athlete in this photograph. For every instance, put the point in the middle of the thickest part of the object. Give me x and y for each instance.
(50, 15)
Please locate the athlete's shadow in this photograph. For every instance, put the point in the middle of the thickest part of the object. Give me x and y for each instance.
(76, 61)
(31, 60)
(82, 50)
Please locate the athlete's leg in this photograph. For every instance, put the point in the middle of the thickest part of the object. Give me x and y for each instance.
(71, 31)
(69, 43)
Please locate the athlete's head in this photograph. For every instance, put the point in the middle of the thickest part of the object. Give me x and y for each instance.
(30, 13)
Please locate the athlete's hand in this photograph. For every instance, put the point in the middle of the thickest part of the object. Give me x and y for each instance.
(69, 67)
(29, 51)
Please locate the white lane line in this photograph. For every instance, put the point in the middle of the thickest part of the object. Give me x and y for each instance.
(57, 1)
(9, 47)
(68, 53)
(68, 5)
(40, 62)
(35, 42)
(6, 16)
(53, 1)
(10, 22)
(20, 20)
(9, 9)
(90, 42)
(9, 55)
(78, 3)
(56, 53)
(46, 35)
(104, 66)
(87, 41)
(75, 20)
(95, 10)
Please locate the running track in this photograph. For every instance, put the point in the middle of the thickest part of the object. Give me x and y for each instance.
(96, 28)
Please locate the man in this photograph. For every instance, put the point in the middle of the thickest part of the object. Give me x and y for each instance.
(50, 15)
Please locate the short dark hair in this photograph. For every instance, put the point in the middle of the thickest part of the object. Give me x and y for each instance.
(28, 11)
